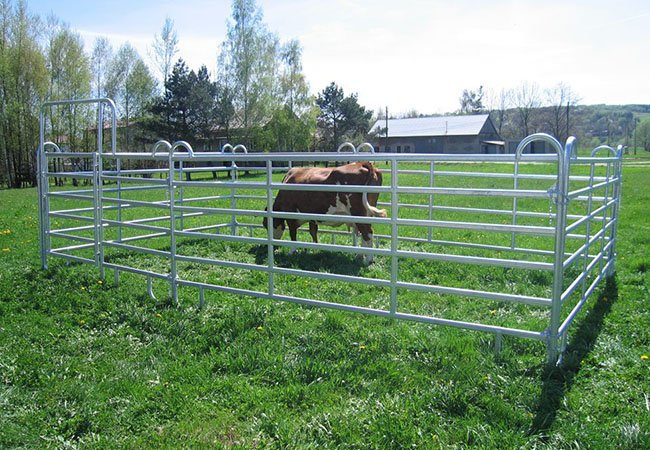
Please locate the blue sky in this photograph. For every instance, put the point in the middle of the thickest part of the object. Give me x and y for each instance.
(410, 54)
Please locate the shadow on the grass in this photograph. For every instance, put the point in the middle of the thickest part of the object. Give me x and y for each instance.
(315, 261)
(558, 379)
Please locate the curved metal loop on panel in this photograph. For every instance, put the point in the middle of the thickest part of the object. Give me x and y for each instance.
(539, 137)
(100, 101)
(367, 145)
(51, 144)
(607, 148)
(161, 143)
(228, 148)
(346, 145)
(182, 144)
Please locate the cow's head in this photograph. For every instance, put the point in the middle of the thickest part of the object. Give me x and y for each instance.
(278, 226)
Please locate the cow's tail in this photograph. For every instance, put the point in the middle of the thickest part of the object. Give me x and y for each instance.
(375, 212)
(373, 179)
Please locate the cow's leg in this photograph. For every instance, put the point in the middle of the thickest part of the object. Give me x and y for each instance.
(365, 230)
(313, 230)
(293, 233)
(355, 232)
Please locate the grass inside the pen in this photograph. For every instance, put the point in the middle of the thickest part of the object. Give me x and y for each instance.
(85, 364)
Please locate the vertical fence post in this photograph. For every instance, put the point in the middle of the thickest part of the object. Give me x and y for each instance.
(604, 223)
(233, 197)
(393, 235)
(99, 208)
(431, 185)
(615, 209)
(42, 191)
(172, 227)
(180, 194)
(585, 255)
(269, 226)
(97, 181)
(515, 186)
(96, 222)
(561, 201)
(100, 181)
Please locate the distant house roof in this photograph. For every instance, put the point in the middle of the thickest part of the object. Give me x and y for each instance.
(432, 126)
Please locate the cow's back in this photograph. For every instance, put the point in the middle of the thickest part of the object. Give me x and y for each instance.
(308, 175)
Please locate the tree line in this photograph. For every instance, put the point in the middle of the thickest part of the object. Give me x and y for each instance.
(528, 108)
(258, 96)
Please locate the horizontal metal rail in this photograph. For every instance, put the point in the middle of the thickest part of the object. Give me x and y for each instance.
(127, 179)
(135, 270)
(74, 258)
(71, 195)
(478, 260)
(135, 248)
(333, 157)
(578, 306)
(580, 252)
(65, 215)
(594, 214)
(82, 175)
(52, 155)
(137, 226)
(497, 175)
(371, 311)
(585, 273)
(74, 229)
(71, 237)
(585, 190)
(497, 296)
(73, 247)
(162, 204)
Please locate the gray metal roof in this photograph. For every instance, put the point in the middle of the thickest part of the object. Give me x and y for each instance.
(433, 126)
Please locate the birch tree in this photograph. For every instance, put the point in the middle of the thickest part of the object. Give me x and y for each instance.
(23, 82)
(247, 64)
(130, 83)
(165, 48)
(99, 62)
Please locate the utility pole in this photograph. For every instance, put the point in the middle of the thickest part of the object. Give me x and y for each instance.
(386, 118)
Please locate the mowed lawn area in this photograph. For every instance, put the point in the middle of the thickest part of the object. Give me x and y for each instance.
(84, 364)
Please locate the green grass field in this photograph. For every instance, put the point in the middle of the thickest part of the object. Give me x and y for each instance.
(84, 364)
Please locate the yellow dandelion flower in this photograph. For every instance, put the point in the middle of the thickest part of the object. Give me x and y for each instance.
(645, 357)
(100, 282)
(158, 315)
(362, 347)
(83, 288)
(260, 328)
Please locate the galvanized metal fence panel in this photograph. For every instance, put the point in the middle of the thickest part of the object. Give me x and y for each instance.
(445, 212)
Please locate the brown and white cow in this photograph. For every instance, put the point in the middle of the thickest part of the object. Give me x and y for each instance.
(339, 203)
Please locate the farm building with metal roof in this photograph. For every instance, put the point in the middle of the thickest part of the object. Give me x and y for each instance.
(444, 134)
